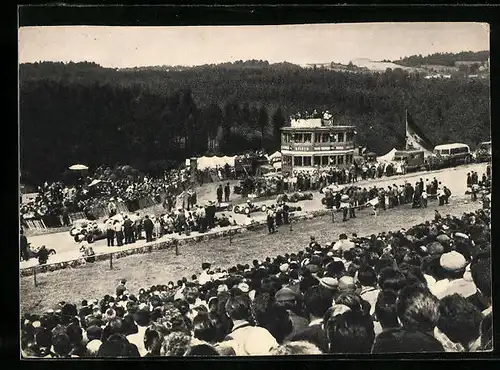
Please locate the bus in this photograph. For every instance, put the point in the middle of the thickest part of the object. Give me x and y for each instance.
(453, 154)
(483, 152)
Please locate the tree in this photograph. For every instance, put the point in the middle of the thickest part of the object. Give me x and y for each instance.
(278, 122)
(263, 123)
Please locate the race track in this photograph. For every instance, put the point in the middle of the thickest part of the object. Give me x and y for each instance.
(67, 248)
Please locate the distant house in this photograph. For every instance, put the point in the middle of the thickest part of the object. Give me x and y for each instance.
(439, 75)
(467, 63)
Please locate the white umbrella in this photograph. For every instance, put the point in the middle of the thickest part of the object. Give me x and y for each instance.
(95, 182)
(78, 167)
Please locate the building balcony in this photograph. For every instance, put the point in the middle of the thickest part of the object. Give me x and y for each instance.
(317, 147)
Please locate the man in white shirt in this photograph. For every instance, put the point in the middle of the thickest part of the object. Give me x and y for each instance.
(244, 338)
(270, 220)
(141, 318)
(424, 198)
(343, 244)
(453, 264)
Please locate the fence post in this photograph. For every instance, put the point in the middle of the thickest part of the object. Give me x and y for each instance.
(111, 261)
(230, 237)
(34, 275)
(291, 221)
(176, 247)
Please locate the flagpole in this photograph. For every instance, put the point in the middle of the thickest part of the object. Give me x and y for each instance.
(406, 128)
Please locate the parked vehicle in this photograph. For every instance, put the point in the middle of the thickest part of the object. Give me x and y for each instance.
(249, 208)
(222, 207)
(413, 160)
(453, 154)
(297, 196)
(484, 152)
(87, 230)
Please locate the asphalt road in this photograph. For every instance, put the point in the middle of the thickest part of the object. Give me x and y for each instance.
(453, 178)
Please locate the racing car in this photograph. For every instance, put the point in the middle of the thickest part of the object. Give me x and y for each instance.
(87, 230)
(222, 207)
(249, 207)
(92, 231)
(297, 196)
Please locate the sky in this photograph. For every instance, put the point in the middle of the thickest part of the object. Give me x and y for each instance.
(120, 47)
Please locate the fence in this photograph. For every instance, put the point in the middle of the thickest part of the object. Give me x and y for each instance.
(171, 243)
(35, 224)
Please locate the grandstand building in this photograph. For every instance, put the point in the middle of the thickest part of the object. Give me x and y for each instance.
(309, 144)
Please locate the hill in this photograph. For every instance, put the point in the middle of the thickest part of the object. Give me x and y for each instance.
(81, 112)
(444, 59)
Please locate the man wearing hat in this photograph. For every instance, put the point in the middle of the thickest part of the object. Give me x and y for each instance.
(148, 228)
(453, 265)
(120, 289)
(288, 299)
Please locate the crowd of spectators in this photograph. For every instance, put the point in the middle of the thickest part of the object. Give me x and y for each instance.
(94, 192)
(425, 289)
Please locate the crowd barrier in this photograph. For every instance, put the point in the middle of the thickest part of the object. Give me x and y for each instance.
(35, 224)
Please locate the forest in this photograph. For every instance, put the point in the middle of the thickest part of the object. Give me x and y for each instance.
(153, 119)
(444, 59)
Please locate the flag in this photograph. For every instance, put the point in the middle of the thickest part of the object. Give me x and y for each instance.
(415, 138)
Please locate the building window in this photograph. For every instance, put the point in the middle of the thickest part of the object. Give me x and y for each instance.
(307, 138)
(297, 161)
(325, 138)
(333, 160)
(317, 161)
(307, 161)
(348, 159)
(349, 136)
(340, 137)
(340, 159)
(286, 160)
(333, 137)
(324, 160)
(317, 138)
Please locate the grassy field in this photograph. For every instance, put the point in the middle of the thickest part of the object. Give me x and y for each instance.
(95, 280)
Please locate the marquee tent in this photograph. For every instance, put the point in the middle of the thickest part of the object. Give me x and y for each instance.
(213, 162)
(387, 157)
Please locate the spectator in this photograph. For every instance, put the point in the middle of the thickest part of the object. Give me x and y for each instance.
(417, 309)
(458, 324)
(349, 332)
(120, 289)
(385, 311)
(481, 274)
(202, 350)
(295, 348)
(271, 316)
(400, 340)
(368, 280)
(117, 346)
(141, 319)
(453, 267)
(288, 299)
(245, 338)
(316, 303)
(153, 340)
(175, 344)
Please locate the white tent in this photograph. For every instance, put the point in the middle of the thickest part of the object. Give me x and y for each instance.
(387, 157)
(213, 162)
(275, 155)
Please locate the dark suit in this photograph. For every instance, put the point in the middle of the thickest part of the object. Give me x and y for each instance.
(148, 226)
(315, 335)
